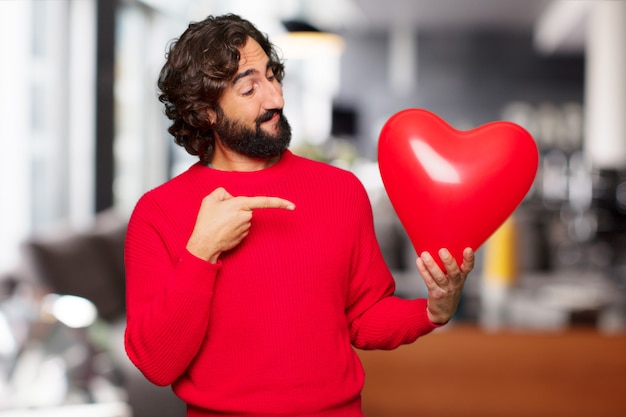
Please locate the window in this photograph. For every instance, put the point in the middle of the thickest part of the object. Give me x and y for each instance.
(46, 118)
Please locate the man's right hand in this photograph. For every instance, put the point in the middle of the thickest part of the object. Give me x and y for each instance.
(224, 221)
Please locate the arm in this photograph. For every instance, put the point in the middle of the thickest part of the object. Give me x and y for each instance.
(378, 319)
(169, 300)
(383, 321)
(391, 321)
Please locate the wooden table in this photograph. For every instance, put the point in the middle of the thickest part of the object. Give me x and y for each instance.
(465, 372)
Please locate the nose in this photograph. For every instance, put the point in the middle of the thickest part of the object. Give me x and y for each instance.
(274, 95)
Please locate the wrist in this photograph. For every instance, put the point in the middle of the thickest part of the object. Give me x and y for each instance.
(435, 319)
(204, 253)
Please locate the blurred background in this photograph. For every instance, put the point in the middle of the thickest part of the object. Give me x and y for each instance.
(541, 327)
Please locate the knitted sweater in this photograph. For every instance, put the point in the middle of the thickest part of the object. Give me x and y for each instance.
(269, 330)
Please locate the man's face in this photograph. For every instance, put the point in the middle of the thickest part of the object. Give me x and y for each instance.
(249, 119)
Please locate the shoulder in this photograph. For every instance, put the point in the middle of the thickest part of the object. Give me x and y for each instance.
(181, 181)
(324, 171)
(173, 194)
(332, 183)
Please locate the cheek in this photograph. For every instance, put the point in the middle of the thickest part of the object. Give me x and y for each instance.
(244, 112)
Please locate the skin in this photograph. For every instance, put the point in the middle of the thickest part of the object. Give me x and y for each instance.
(224, 221)
(444, 288)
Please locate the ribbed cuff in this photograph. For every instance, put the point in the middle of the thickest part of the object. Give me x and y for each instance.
(196, 273)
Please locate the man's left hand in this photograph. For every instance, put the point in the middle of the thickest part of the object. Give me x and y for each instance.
(444, 288)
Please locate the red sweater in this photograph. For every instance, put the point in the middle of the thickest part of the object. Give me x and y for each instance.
(269, 330)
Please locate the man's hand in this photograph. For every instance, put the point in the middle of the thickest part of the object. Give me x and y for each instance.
(223, 221)
(444, 289)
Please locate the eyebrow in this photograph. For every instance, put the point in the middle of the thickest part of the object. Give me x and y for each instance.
(248, 72)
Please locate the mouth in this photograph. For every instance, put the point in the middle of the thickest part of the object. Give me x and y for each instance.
(275, 117)
(271, 116)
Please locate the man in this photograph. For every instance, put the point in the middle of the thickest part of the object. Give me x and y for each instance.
(251, 276)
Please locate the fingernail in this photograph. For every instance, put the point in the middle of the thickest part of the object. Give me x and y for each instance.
(291, 207)
(444, 254)
(426, 256)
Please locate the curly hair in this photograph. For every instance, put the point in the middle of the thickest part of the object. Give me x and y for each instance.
(198, 67)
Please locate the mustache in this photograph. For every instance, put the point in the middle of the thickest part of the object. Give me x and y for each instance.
(268, 115)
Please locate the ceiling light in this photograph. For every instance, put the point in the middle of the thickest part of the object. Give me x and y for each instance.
(303, 40)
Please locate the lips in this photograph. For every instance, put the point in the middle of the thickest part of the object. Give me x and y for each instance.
(270, 116)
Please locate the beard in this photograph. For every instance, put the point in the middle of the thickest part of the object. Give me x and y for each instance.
(254, 143)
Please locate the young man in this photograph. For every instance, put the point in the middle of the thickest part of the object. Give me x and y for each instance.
(251, 276)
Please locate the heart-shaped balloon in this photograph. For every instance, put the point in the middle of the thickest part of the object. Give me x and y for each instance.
(451, 188)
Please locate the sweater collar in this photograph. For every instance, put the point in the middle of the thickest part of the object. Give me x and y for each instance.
(285, 160)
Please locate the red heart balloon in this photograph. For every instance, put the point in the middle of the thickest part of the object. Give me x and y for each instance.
(450, 188)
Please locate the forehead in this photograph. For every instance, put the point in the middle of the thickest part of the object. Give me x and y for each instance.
(252, 55)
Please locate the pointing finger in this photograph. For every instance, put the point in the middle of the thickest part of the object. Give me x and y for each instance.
(251, 203)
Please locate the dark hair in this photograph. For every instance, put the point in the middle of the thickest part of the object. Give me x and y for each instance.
(198, 67)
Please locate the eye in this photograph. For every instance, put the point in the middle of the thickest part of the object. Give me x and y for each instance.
(248, 89)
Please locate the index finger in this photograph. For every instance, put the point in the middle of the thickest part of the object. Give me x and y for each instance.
(251, 203)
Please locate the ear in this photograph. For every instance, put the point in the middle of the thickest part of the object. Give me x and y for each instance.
(212, 114)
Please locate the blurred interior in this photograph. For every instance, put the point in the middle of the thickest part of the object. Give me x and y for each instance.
(541, 327)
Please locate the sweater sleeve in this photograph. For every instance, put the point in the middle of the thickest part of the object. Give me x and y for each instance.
(168, 299)
(378, 319)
